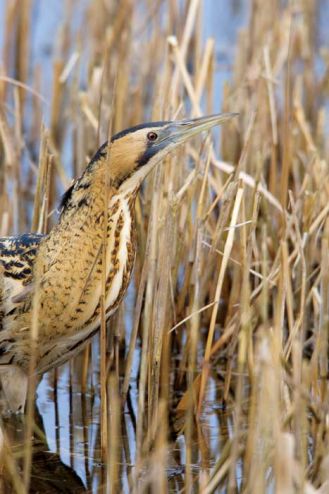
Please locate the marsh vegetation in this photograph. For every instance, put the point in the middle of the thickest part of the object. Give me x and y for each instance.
(213, 375)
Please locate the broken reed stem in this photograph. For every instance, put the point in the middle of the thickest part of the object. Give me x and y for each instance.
(220, 280)
(41, 181)
(286, 160)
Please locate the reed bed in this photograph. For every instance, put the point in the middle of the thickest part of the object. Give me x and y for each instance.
(213, 375)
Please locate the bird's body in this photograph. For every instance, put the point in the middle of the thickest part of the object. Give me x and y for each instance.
(58, 279)
(68, 263)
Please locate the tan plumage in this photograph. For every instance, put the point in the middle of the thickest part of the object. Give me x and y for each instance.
(62, 272)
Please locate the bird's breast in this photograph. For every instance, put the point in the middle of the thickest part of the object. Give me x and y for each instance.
(120, 256)
(76, 268)
(120, 248)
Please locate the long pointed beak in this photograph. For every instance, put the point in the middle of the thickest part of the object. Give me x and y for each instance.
(179, 132)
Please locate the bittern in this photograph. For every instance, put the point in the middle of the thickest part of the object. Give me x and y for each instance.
(58, 278)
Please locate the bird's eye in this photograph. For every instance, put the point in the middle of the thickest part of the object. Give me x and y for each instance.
(152, 136)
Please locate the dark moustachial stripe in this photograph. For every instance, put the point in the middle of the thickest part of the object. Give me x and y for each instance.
(152, 149)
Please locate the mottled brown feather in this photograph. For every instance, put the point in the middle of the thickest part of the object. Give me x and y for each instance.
(66, 268)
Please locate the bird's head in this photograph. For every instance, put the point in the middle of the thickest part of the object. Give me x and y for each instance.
(134, 152)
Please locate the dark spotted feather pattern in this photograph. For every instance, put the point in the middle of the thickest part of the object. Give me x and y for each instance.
(17, 255)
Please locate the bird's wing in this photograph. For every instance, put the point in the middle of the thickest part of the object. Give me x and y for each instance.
(17, 255)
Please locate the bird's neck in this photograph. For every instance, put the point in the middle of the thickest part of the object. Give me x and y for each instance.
(94, 190)
(85, 190)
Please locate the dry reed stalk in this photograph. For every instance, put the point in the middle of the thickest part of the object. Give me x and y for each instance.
(9, 465)
(32, 382)
(219, 284)
(114, 447)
